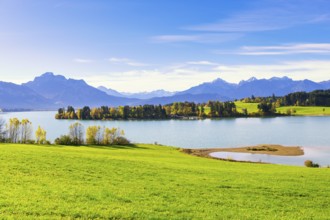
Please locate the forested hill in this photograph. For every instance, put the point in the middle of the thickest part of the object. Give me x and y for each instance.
(315, 98)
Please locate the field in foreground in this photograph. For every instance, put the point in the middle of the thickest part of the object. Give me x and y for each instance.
(153, 182)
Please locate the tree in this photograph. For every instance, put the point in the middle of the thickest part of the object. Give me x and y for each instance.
(13, 130)
(114, 136)
(94, 135)
(2, 130)
(26, 130)
(76, 133)
(266, 108)
(40, 135)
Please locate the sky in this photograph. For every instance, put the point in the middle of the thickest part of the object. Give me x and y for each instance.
(145, 45)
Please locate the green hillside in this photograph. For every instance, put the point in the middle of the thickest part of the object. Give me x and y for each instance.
(305, 110)
(152, 182)
(295, 110)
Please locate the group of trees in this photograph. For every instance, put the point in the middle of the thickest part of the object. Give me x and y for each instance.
(314, 98)
(175, 110)
(16, 131)
(95, 135)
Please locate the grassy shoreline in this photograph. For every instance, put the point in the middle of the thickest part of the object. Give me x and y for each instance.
(295, 110)
(269, 149)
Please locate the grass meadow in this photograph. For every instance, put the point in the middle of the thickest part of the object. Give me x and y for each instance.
(305, 110)
(152, 182)
(295, 110)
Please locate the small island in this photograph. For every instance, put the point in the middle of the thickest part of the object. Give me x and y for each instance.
(269, 149)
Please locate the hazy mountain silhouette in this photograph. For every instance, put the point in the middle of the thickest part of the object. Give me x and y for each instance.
(50, 91)
(139, 95)
(14, 96)
(256, 87)
(78, 93)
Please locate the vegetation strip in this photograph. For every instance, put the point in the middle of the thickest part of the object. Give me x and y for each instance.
(247, 107)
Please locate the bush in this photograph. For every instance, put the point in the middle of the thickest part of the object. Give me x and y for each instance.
(64, 140)
(30, 142)
(309, 163)
(121, 141)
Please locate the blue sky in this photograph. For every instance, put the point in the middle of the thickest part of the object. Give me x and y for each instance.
(143, 45)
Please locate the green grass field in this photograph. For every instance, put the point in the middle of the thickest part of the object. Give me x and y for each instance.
(309, 110)
(251, 107)
(152, 182)
(300, 110)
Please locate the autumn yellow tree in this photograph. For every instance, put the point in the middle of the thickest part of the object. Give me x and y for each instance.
(40, 135)
(94, 135)
(13, 130)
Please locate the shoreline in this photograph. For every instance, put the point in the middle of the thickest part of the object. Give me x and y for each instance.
(270, 149)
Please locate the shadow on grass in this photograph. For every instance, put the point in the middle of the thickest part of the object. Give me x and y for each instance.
(116, 147)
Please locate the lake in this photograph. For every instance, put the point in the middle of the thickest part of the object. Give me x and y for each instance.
(311, 132)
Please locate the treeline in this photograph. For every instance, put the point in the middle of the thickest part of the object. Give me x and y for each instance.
(16, 131)
(175, 110)
(314, 98)
(95, 135)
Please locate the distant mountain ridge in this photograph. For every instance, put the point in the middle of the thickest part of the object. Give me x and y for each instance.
(63, 92)
(256, 87)
(139, 95)
(50, 91)
(14, 96)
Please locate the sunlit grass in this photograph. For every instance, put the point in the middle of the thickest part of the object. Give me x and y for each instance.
(251, 107)
(305, 110)
(152, 182)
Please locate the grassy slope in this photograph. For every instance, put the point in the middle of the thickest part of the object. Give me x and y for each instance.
(251, 107)
(300, 110)
(155, 183)
(310, 110)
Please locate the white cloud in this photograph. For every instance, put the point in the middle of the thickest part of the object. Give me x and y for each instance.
(126, 61)
(202, 62)
(201, 38)
(184, 76)
(316, 70)
(312, 48)
(270, 17)
(78, 60)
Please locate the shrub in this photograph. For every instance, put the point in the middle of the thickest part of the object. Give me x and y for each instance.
(309, 163)
(64, 140)
(121, 141)
(30, 142)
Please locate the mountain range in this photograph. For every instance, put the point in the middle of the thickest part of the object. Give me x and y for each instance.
(140, 95)
(50, 91)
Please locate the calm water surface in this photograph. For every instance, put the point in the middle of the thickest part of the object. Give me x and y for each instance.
(311, 132)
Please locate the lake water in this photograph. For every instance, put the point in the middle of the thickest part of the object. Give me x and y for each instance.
(311, 132)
